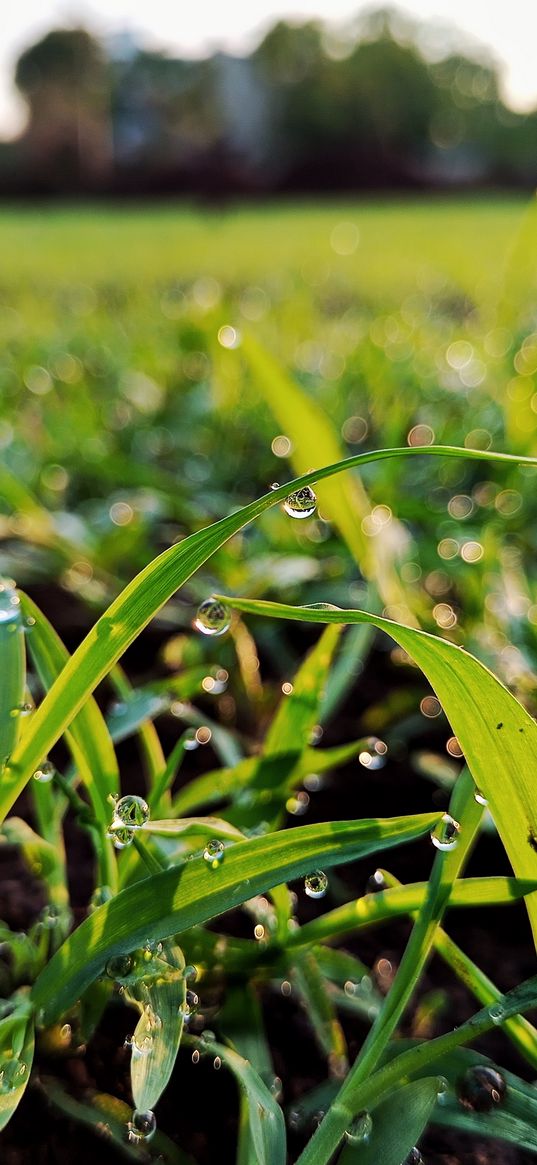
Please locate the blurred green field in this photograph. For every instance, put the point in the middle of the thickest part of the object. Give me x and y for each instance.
(134, 408)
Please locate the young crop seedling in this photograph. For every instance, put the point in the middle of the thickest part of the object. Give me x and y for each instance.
(169, 864)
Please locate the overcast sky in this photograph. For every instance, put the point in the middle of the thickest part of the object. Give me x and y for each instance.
(507, 27)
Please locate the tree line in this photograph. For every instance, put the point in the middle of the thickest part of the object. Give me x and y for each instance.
(305, 111)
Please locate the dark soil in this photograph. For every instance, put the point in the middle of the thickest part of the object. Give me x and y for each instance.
(199, 1109)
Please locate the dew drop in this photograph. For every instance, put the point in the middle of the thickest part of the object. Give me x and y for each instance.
(414, 1158)
(217, 1063)
(131, 811)
(376, 883)
(480, 797)
(142, 1126)
(442, 1090)
(190, 973)
(497, 1013)
(316, 884)
(276, 1088)
(189, 1007)
(214, 853)
(212, 618)
(120, 835)
(298, 804)
(45, 772)
(119, 966)
(301, 503)
(445, 833)
(482, 1087)
(360, 1130)
(195, 1056)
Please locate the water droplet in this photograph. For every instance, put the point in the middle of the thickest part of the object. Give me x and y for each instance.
(482, 1087)
(480, 797)
(442, 1090)
(316, 884)
(66, 1033)
(213, 617)
(190, 973)
(217, 1063)
(445, 833)
(414, 1158)
(373, 756)
(142, 1126)
(497, 1012)
(120, 835)
(360, 1130)
(214, 853)
(45, 772)
(276, 1088)
(189, 1007)
(195, 1056)
(119, 966)
(301, 503)
(141, 1046)
(131, 811)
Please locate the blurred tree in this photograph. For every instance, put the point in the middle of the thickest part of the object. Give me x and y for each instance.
(65, 81)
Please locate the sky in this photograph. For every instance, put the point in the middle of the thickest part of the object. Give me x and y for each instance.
(508, 29)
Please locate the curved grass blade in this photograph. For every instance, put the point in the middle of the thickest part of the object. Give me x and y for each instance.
(108, 1117)
(398, 1123)
(496, 733)
(183, 896)
(13, 676)
(93, 750)
(265, 1118)
(146, 594)
(514, 1119)
(16, 1055)
(161, 998)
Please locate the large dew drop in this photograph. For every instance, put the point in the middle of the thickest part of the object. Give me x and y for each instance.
(45, 772)
(214, 854)
(482, 1087)
(360, 1130)
(119, 966)
(130, 814)
(142, 1126)
(132, 811)
(301, 503)
(316, 884)
(445, 834)
(213, 617)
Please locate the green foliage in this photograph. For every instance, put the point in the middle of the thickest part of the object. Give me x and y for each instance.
(212, 747)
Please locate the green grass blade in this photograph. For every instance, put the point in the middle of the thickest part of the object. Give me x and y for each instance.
(156, 1039)
(146, 594)
(398, 1123)
(16, 1055)
(93, 750)
(13, 679)
(286, 739)
(182, 897)
(498, 736)
(265, 1117)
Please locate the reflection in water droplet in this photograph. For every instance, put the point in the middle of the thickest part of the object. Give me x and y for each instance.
(45, 772)
(482, 1087)
(480, 797)
(301, 503)
(497, 1012)
(142, 1126)
(360, 1130)
(119, 966)
(214, 853)
(445, 833)
(442, 1090)
(316, 884)
(132, 811)
(212, 618)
